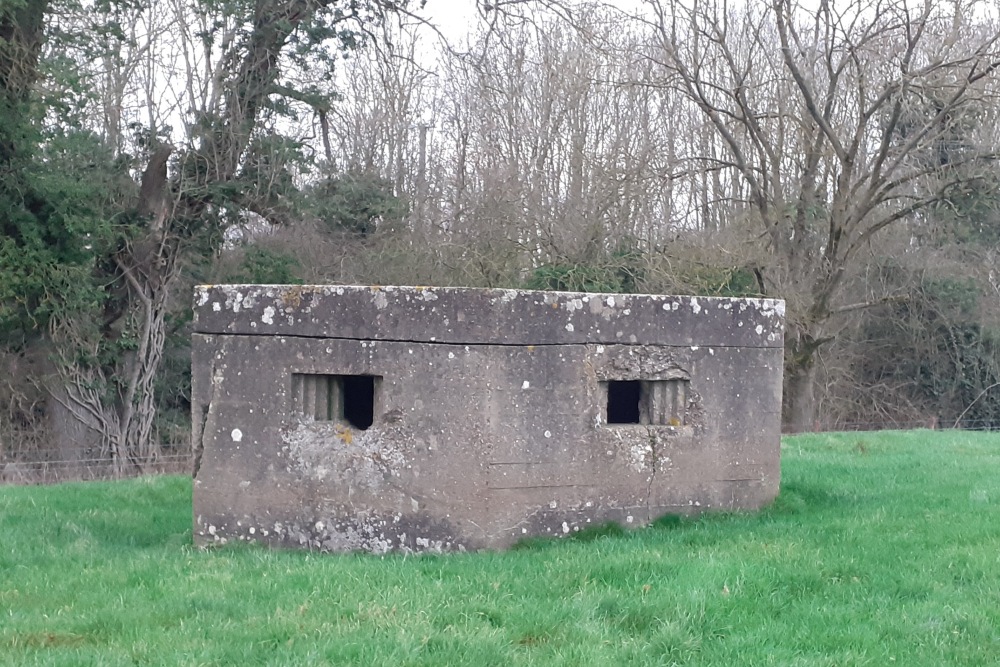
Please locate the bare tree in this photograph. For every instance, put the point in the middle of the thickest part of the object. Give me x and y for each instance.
(833, 120)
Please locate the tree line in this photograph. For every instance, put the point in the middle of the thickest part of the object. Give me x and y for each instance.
(840, 156)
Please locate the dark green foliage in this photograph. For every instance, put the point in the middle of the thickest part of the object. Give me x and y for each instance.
(969, 213)
(261, 265)
(355, 202)
(619, 271)
(59, 201)
(934, 347)
(670, 521)
(609, 529)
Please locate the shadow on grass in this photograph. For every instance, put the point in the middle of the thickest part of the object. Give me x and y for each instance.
(795, 500)
(607, 530)
(801, 498)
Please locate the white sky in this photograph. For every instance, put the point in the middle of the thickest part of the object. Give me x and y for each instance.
(452, 17)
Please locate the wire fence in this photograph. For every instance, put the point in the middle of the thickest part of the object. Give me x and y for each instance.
(932, 423)
(41, 466)
(51, 472)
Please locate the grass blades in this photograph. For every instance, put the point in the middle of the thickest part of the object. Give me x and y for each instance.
(882, 549)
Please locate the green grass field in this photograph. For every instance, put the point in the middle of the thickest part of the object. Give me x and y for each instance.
(882, 549)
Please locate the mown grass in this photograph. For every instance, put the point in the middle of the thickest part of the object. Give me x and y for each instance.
(882, 549)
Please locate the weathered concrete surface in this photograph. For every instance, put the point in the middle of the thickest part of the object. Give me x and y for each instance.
(490, 413)
(481, 316)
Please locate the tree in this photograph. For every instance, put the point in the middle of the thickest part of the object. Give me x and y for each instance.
(109, 255)
(815, 112)
(24, 238)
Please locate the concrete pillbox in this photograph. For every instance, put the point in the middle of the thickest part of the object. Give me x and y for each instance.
(414, 418)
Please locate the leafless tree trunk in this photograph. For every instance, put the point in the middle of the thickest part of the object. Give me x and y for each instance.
(830, 118)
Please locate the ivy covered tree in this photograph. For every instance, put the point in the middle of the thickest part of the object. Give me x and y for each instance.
(106, 206)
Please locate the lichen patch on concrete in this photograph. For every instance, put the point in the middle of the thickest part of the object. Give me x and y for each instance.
(336, 453)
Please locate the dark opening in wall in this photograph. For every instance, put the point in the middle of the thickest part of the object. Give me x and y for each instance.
(623, 401)
(359, 400)
(347, 398)
(652, 402)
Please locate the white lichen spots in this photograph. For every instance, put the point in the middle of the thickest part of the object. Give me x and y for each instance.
(610, 301)
(574, 304)
(553, 504)
(268, 316)
(343, 455)
(524, 531)
(759, 329)
(565, 527)
(676, 306)
(548, 434)
(525, 385)
(740, 323)
(451, 355)
(569, 326)
(320, 526)
(245, 484)
(381, 301)
(216, 306)
(588, 504)
(236, 435)
(252, 530)
(627, 311)
(414, 505)
(600, 349)
(638, 453)
(666, 307)
(340, 291)
(428, 295)
(695, 348)
(695, 306)
(203, 297)
(212, 530)
(772, 307)
(711, 351)
(291, 320)
(629, 519)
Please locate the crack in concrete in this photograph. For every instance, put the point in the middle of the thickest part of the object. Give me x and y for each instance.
(216, 331)
(198, 441)
(654, 460)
